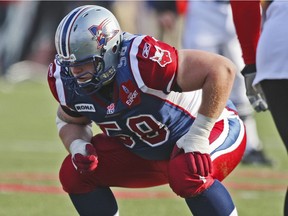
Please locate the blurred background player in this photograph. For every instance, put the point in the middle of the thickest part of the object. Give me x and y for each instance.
(206, 25)
(209, 26)
(27, 30)
(162, 20)
(270, 54)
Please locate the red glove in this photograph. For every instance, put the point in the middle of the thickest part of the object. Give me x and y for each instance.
(87, 162)
(189, 173)
(197, 162)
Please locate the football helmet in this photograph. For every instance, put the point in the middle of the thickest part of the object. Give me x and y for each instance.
(87, 34)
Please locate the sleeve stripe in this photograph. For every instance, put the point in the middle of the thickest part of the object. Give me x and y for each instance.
(59, 86)
(134, 61)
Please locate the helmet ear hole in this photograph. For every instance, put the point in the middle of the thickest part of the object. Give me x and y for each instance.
(114, 49)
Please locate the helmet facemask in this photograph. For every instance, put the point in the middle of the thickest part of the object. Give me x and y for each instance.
(99, 76)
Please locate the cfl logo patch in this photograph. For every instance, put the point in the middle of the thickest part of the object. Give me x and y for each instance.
(83, 107)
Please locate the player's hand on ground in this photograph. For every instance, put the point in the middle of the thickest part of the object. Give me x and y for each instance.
(84, 157)
(254, 94)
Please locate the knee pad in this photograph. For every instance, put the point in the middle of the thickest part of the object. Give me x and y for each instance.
(183, 181)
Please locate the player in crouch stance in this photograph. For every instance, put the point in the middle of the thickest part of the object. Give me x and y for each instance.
(164, 114)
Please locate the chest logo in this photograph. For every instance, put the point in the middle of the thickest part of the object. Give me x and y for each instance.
(129, 94)
(84, 107)
(162, 57)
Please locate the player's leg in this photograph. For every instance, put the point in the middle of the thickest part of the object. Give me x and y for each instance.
(100, 201)
(215, 201)
(272, 68)
(277, 99)
(117, 167)
(278, 108)
(208, 196)
(254, 152)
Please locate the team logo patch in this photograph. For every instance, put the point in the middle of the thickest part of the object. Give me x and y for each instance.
(162, 57)
(146, 50)
(83, 107)
(129, 94)
(102, 34)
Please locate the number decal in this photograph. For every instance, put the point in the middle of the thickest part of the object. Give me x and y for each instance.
(146, 127)
(109, 127)
(123, 59)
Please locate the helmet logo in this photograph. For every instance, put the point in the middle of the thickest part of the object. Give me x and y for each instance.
(102, 34)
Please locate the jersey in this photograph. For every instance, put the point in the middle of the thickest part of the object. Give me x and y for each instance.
(144, 114)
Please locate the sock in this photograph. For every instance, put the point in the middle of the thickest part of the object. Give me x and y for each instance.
(99, 202)
(214, 201)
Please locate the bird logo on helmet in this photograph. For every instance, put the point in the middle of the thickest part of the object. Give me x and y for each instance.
(101, 34)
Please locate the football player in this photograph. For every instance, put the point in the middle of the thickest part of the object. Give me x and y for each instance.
(266, 88)
(164, 114)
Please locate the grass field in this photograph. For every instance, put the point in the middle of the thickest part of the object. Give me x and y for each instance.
(31, 153)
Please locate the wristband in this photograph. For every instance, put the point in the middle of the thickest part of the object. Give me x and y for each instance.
(78, 146)
(197, 138)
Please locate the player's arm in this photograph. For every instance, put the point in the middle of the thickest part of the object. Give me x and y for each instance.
(247, 20)
(245, 12)
(72, 128)
(212, 73)
(76, 135)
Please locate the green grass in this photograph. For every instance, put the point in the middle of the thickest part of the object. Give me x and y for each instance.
(29, 145)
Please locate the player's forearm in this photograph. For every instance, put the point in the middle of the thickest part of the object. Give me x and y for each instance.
(216, 89)
(71, 132)
(247, 20)
(72, 128)
(214, 99)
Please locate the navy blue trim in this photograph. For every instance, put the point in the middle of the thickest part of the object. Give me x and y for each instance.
(65, 28)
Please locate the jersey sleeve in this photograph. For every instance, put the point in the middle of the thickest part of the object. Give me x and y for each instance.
(57, 89)
(153, 63)
(247, 20)
(51, 77)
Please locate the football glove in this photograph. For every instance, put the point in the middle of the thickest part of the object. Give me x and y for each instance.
(254, 94)
(195, 144)
(84, 157)
(189, 173)
(197, 162)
